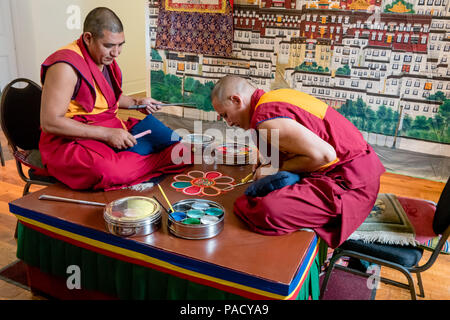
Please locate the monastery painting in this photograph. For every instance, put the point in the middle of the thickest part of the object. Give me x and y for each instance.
(383, 64)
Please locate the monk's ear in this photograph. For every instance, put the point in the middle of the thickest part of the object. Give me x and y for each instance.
(236, 100)
(88, 37)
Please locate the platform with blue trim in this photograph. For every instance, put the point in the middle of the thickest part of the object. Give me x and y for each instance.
(237, 263)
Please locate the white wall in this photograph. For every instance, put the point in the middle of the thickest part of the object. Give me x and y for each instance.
(40, 28)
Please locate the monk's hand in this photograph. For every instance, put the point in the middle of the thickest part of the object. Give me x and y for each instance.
(120, 139)
(269, 183)
(264, 170)
(152, 105)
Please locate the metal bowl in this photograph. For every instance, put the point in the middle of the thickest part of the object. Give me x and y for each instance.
(187, 220)
(132, 216)
(198, 141)
(233, 154)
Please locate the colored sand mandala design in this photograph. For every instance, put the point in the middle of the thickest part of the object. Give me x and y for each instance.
(238, 150)
(196, 182)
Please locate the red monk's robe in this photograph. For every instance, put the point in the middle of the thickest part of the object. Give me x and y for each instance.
(332, 201)
(91, 164)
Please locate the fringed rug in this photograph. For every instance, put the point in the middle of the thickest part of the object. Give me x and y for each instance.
(387, 223)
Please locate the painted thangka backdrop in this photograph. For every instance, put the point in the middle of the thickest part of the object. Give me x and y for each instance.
(202, 26)
(381, 63)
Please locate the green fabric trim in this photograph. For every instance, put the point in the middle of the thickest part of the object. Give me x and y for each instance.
(123, 279)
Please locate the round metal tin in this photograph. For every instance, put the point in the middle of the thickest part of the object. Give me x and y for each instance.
(205, 229)
(198, 141)
(233, 154)
(132, 216)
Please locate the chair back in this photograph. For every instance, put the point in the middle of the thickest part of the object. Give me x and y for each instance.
(441, 219)
(20, 110)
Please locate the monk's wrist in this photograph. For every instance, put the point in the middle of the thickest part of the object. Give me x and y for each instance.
(134, 102)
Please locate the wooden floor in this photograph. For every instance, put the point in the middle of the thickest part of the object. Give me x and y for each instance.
(436, 280)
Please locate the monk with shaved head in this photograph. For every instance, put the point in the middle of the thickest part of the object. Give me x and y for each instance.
(84, 144)
(328, 177)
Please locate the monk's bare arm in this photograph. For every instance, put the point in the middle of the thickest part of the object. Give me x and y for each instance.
(307, 151)
(60, 82)
(126, 102)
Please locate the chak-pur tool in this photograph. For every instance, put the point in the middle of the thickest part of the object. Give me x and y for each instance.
(236, 185)
(54, 198)
(140, 135)
(247, 179)
(143, 106)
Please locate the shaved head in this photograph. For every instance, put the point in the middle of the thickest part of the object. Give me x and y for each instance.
(231, 98)
(230, 85)
(100, 19)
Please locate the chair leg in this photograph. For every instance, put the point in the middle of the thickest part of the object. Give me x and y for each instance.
(26, 189)
(16, 231)
(420, 284)
(333, 260)
(412, 288)
(1, 156)
(403, 270)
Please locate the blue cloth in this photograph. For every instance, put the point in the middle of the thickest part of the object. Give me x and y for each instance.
(160, 138)
(263, 186)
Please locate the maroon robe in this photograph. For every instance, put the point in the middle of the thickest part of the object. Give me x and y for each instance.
(333, 201)
(91, 164)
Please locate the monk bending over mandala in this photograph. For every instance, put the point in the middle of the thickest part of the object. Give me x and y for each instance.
(83, 143)
(328, 176)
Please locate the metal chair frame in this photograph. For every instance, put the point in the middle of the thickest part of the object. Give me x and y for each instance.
(2, 158)
(15, 150)
(407, 271)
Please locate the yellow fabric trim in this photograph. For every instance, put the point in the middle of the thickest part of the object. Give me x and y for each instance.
(101, 105)
(123, 124)
(302, 100)
(146, 258)
(222, 8)
(74, 47)
(328, 164)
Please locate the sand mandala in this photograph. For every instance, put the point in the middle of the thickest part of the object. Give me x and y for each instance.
(197, 182)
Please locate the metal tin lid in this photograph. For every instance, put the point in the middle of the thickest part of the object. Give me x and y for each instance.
(132, 209)
(234, 149)
(234, 153)
(202, 139)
